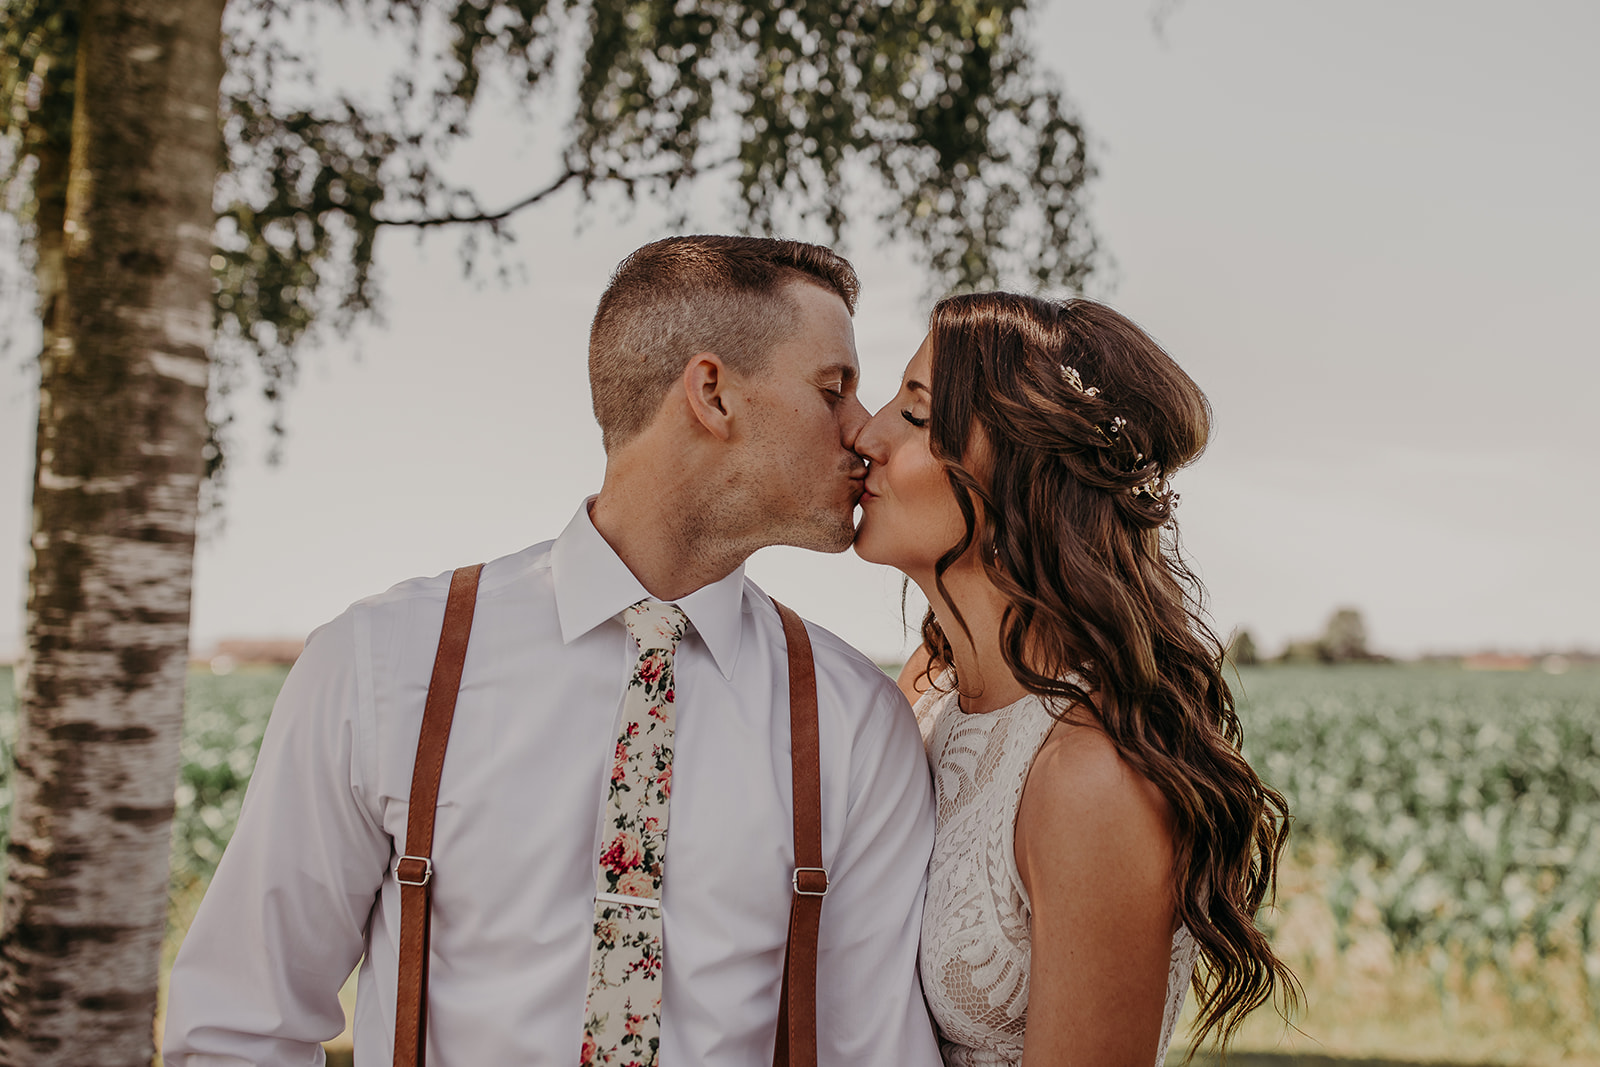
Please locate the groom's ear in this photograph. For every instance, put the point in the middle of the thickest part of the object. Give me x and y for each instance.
(709, 388)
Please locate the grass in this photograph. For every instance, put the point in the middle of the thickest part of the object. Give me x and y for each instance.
(1366, 999)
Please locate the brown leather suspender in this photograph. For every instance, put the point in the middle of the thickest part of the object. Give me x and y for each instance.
(797, 1010)
(797, 1007)
(414, 872)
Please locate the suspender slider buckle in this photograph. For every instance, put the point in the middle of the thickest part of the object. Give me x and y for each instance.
(419, 871)
(811, 881)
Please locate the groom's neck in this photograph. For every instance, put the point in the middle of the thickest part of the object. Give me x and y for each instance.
(666, 528)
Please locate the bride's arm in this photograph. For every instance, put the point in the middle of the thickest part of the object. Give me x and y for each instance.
(1094, 851)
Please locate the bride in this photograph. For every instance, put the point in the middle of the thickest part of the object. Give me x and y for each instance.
(1098, 829)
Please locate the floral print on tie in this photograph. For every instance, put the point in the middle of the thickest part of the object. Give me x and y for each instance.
(622, 1019)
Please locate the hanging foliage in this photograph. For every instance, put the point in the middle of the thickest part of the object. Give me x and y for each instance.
(936, 113)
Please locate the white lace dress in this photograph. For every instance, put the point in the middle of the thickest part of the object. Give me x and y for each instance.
(975, 927)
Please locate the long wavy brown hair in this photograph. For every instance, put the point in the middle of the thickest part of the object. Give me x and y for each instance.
(1058, 424)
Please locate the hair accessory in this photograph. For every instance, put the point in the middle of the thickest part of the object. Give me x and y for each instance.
(1070, 374)
(1158, 492)
(1156, 488)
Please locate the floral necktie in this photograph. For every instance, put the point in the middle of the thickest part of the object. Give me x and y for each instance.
(622, 1019)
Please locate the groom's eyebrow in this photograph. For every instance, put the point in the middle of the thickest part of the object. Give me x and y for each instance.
(917, 387)
(844, 371)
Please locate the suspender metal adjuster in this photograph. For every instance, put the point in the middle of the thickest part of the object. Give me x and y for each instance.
(420, 871)
(811, 881)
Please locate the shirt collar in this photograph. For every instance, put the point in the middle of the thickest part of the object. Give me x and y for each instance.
(592, 584)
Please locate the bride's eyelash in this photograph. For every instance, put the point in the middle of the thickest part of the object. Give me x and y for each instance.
(913, 420)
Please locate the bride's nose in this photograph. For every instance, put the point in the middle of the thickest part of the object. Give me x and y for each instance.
(870, 443)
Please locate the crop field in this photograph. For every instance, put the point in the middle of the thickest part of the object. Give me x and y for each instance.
(1440, 900)
(1465, 807)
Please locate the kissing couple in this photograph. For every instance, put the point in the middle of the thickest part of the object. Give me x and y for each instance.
(603, 801)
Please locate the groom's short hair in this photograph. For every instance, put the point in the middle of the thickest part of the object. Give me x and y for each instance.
(683, 295)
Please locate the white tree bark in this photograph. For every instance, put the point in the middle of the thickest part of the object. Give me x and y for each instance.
(121, 427)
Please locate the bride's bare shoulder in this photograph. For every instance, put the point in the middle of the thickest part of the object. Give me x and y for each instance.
(1083, 806)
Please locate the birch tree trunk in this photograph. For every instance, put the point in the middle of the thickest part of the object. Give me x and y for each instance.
(121, 425)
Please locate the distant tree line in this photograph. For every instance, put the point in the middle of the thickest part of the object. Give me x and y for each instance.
(1343, 640)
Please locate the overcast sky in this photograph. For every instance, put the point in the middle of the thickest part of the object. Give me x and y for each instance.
(1367, 229)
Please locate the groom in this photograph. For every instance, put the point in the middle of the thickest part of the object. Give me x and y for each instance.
(724, 373)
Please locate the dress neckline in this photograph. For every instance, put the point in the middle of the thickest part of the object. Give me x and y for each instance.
(944, 695)
(1004, 708)
(1001, 710)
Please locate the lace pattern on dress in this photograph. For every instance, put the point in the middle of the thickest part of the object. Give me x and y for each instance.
(975, 927)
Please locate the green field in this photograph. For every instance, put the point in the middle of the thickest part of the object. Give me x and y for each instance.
(1440, 899)
(1442, 895)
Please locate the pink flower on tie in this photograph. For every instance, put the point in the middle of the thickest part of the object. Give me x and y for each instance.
(636, 883)
(650, 668)
(623, 854)
(664, 781)
(589, 1048)
(619, 769)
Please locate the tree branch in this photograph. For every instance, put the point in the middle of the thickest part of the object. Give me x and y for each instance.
(430, 221)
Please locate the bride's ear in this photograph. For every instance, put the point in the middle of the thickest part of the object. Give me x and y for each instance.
(708, 388)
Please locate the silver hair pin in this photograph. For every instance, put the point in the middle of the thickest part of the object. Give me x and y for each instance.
(1156, 487)
(1074, 379)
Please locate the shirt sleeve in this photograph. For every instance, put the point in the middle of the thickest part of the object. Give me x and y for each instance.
(870, 1010)
(283, 922)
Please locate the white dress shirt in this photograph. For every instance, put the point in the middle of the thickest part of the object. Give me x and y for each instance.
(307, 886)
